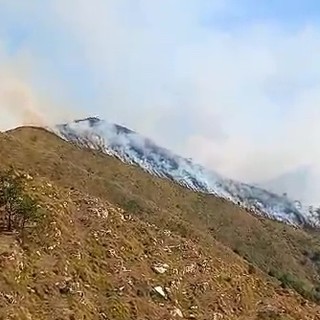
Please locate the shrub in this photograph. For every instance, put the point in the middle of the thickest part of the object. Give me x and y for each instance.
(132, 206)
(315, 257)
(27, 210)
(269, 315)
(18, 208)
(236, 251)
(289, 281)
(272, 273)
(251, 269)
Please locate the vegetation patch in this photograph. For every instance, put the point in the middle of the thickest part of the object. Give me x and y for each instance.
(18, 209)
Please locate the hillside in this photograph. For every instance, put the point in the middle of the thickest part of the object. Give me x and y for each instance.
(133, 148)
(109, 227)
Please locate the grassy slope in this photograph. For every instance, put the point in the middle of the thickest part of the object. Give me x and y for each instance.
(267, 244)
(89, 259)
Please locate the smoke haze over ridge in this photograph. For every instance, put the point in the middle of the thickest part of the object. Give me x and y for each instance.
(233, 86)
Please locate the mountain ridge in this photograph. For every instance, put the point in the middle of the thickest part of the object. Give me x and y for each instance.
(133, 148)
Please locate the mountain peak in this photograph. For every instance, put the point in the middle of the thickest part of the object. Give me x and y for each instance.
(91, 120)
(133, 148)
(97, 122)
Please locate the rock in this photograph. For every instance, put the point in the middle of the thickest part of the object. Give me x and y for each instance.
(64, 289)
(217, 316)
(103, 316)
(31, 290)
(10, 298)
(160, 292)
(28, 177)
(176, 312)
(167, 290)
(190, 269)
(160, 268)
(120, 290)
(66, 286)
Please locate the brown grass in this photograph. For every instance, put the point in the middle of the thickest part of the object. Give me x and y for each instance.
(200, 231)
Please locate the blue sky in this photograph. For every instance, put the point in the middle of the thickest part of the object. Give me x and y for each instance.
(288, 14)
(231, 83)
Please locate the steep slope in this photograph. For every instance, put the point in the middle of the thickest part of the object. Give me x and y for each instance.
(114, 244)
(132, 148)
(89, 259)
(287, 253)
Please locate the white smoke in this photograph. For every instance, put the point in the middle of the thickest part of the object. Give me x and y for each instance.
(133, 148)
(243, 100)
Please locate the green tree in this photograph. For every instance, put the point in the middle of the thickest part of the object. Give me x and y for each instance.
(26, 210)
(10, 191)
(17, 206)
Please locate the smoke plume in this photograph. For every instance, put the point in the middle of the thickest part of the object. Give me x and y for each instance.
(22, 104)
(240, 97)
(18, 102)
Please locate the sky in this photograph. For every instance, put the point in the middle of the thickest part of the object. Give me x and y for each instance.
(233, 84)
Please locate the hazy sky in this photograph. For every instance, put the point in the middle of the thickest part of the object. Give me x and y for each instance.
(234, 84)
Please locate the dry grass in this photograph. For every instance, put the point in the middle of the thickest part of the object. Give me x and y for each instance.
(200, 230)
(89, 259)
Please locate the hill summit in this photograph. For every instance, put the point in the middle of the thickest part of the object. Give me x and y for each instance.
(133, 148)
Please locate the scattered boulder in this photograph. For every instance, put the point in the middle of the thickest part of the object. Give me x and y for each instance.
(65, 287)
(10, 298)
(28, 177)
(160, 268)
(159, 290)
(176, 312)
